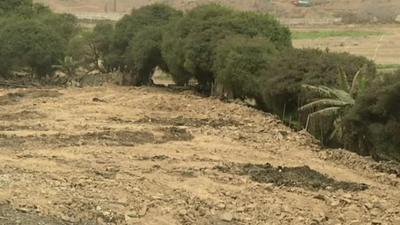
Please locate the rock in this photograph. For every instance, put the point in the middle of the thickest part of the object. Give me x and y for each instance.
(375, 212)
(226, 217)
(397, 19)
(369, 206)
(335, 203)
(143, 211)
(182, 212)
(376, 222)
(221, 205)
(132, 214)
(240, 209)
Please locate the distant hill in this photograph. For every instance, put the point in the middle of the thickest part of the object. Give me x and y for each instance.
(351, 9)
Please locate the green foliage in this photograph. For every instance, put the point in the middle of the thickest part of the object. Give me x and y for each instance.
(372, 127)
(68, 66)
(240, 61)
(333, 33)
(155, 15)
(282, 81)
(10, 6)
(89, 47)
(145, 54)
(66, 25)
(189, 48)
(28, 43)
(332, 103)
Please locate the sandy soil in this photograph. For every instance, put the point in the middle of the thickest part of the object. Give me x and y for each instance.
(119, 155)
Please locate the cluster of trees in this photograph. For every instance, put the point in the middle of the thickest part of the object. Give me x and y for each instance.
(32, 37)
(230, 54)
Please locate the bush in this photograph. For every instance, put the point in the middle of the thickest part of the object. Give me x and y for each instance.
(145, 54)
(189, 48)
(156, 15)
(239, 63)
(282, 81)
(28, 43)
(372, 127)
(10, 6)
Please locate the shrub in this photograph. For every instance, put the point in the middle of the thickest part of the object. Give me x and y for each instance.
(91, 47)
(10, 6)
(189, 49)
(282, 81)
(66, 25)
(240, 62)
(372, 127)
(145, 54)
(28, 43)
(156, 15)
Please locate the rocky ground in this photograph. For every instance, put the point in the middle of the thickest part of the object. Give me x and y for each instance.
(120, 155)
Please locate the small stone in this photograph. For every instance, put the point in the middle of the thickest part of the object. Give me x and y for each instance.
(335, 203)
(226, 217)
(143, 211)
(132, 214)
(182, 212)
(221, 205)
(348, 196)
(376, 222)
(240, 209)
(375, 212)
(98, 208)
(369, 205)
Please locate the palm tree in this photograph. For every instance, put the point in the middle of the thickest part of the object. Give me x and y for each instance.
(334, 102)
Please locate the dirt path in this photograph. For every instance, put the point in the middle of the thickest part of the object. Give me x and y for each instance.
(116, 155)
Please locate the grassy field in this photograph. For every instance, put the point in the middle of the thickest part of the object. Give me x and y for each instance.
(333, 33)
(376, 42)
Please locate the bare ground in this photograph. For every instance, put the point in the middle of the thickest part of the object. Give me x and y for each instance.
(118, 155)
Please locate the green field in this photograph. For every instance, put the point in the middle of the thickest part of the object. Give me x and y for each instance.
(327, 34)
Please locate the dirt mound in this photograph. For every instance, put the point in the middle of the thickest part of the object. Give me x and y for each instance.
(302, 177)
(15, 97)
(191, 122)
(23, 115)
(11, 216)
(103, 138)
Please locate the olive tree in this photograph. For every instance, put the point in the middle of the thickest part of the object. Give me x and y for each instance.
(28, 43)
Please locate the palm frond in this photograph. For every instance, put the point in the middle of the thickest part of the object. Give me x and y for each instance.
(330, 111)
(343, 80)
(342, 96)
(323, 91)
(356, 82)
(323, 102)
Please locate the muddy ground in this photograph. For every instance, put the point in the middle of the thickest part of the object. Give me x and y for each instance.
(119, 155)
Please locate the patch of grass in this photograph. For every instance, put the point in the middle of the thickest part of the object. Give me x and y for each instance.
(388, 66)
(327, 34)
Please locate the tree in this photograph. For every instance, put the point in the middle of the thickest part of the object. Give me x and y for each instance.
(155, 15)
(239, 63)
(145, 54)
(28, 43)
(190, 46)
(10, 6)
(282, 82)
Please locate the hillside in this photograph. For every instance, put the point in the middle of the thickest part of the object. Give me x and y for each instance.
(122, 155)
(283, 8)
